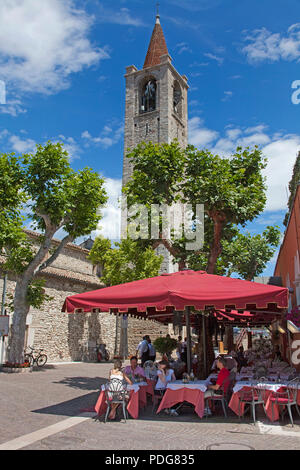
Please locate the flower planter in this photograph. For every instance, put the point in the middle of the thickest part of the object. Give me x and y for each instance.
(16, 370)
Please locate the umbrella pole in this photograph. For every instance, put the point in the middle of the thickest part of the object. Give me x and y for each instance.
(204, 344)
(188, 339)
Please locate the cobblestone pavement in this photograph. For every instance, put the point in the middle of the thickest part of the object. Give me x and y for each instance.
(45, 410)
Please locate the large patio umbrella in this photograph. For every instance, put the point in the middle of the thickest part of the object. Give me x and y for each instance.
(186, 291)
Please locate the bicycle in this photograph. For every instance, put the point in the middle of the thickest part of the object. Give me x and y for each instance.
(39, 359)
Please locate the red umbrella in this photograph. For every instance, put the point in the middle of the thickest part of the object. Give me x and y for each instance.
(158, 297)
(177, 291)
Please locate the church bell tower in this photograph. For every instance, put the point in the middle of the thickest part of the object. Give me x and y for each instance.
(156, 100)
(156, 109)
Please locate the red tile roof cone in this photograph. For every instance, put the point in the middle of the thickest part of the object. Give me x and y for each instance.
(157, 46)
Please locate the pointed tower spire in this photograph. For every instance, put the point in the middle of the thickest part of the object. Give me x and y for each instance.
(157, 46)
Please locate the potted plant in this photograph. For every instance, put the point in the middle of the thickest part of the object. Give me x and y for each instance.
(165, 345)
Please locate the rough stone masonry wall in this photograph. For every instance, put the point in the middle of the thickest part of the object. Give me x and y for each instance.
(139, 328)
(72, 337)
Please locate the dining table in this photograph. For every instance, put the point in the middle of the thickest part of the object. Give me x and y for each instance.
(137, 398)
(179, 392)
(272, 411)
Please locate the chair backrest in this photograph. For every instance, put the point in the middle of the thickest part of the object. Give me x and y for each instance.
(227, 385)
(293, 386)
(115, 390)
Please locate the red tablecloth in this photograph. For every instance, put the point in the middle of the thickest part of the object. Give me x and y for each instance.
(132, 407)
(234, 404)
(194, 396)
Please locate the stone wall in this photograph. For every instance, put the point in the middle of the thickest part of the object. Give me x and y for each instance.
(72, 337)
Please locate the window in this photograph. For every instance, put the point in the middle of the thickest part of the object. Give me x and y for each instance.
(177, 99)
(148, 98)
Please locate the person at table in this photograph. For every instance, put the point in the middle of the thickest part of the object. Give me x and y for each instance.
(165, 375)
(117, 373)
(184, 351)
(179, 347)
(222, 379)
(242, 361)
(133, 370)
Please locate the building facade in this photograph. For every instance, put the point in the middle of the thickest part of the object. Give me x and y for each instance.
(288, 261)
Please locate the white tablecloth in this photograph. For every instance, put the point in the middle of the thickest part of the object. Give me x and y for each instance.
(197, 385)
(266, 386)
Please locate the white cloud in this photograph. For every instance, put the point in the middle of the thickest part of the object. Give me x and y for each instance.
(43, 42)
(109, 136)
(122, 17)
(227, 95)
(280, 149)
(110, 224)
(183, 47)
(22, 145)
(198, 134)
(266, 46)
(219, 60)
(13, 107)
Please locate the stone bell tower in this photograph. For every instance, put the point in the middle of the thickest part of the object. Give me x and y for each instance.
(156, 100)
(156, 108)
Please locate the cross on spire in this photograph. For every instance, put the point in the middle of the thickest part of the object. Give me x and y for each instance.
(157, 13)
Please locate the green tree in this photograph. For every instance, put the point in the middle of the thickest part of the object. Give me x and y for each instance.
(231, 189)
(248, 255)
(129, 261)
(295, 181)
(57, 198)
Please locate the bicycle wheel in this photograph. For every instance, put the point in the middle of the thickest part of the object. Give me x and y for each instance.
(41, 360)
(28, 358)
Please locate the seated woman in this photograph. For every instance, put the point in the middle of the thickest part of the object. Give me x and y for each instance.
(117, 373)
(165, 375)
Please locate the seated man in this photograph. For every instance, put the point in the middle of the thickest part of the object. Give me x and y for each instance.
(222, 380)
(231, 364)
(134, 370)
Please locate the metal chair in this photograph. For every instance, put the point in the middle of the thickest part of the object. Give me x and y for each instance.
(158, 396)
(253, 397)
(287, 398)
(222, 396)
(115, 392)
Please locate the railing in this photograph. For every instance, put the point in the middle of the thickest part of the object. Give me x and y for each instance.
(241, 337)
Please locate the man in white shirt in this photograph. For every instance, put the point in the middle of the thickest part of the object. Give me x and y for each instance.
(143, 350)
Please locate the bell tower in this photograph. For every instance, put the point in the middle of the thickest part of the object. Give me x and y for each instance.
(156, 100)
(156, 110)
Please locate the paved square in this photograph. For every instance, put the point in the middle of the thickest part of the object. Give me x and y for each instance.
(47, 410)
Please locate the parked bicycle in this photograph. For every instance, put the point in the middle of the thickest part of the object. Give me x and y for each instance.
(35, 356)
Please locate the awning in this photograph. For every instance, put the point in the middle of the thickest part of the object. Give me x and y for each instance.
(162, 295)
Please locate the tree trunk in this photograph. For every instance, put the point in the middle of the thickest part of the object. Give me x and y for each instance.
(219, 220)
(18, 328)
(210, 356)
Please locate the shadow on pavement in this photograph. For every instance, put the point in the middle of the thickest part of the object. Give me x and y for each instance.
(72, 407)
(83, 383)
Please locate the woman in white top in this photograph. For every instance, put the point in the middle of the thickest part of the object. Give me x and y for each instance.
(165, 375)
(117, 373)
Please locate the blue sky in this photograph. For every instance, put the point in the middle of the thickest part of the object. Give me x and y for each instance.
(63, 65)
